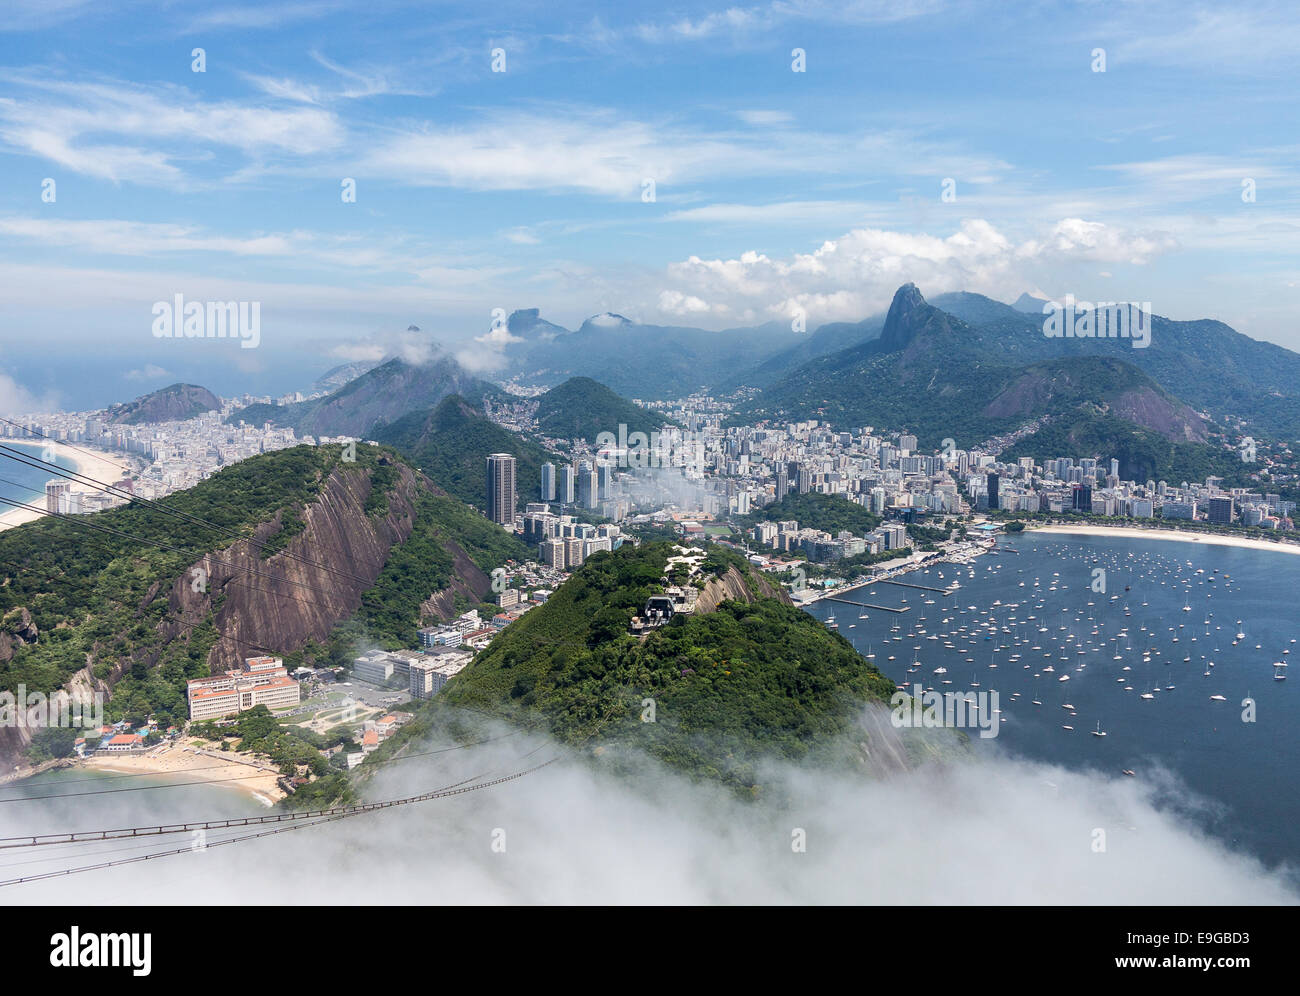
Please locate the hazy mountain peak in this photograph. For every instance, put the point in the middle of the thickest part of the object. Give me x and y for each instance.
(528, 322)
(1029, 304)
(908, 312)
(608, 320)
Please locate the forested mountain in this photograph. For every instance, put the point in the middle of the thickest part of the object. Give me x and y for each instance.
(744, 677)
(935, 373)
(582, 408)
(451, 444)
(299, 553)
(381, 395)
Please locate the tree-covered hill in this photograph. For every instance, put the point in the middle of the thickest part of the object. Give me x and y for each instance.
(831, 513)
(377, 397)
(754, 678)
(451, 443)
(298, 552)
(582, 408)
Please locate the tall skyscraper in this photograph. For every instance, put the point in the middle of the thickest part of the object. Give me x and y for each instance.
(604, 478)
(566, 488)
(588, 494)
(54, 490)
(501, 489)
(548, 482)
(993, 491)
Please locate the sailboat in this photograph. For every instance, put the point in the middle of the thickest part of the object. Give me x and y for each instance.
(1098, 732)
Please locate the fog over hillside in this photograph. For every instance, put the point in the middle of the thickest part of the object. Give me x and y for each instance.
(991, 830)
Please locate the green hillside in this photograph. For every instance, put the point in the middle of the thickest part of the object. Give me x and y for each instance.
(1143, 455)
(752, 679)
(451, 442)
(938, 376)
(831, 513)
(100, 596)
(582, 408)
(379, 396)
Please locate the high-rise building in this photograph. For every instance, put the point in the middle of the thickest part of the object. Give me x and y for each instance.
(551, 553)
(993, 482)
(1220, 510)
(1081, 499)
(54, 491)
(604, 478)
(588, 492)
(566, 492)
(548, 482)
(501, 489)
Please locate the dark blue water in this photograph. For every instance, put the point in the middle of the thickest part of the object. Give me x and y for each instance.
(20, 482)
(1245, 771)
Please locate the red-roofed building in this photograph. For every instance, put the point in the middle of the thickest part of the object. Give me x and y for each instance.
(123, 741)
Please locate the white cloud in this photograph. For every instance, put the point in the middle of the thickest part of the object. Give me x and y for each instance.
(16, 399)
(856, 275)
(121, 132)
(992, 831)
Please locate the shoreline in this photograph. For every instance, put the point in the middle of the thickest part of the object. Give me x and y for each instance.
(229, 770)
(1175, 535)
(88, 461)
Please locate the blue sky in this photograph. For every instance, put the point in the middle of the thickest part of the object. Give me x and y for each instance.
(776, 192)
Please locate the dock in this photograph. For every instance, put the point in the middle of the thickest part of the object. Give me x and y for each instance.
(905, 584)
(866, 605)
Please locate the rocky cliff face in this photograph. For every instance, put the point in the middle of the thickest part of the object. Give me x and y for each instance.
(283, 601)
(294, 601)
(16, 630)
(733, 587)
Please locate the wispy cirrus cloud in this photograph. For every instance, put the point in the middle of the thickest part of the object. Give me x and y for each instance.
(125, 132)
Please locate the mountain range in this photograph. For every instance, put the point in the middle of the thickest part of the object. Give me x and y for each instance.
(383, 394)
(963, 367)
(974, 369)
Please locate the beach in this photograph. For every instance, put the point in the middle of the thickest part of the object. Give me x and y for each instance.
(1132, 532)
(227, 769)
(99, 465)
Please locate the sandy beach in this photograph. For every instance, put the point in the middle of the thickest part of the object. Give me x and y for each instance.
(1206, 539)
(96, 464)
(241, 772)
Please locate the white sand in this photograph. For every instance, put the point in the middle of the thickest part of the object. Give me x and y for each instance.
(228, 769)
(99, 465)
(1208, 539)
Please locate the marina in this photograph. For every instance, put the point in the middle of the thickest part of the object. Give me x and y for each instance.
(1155, 649)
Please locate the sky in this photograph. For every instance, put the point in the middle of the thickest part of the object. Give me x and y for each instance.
(709, 165)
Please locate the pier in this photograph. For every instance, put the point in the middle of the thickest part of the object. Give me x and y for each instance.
(905, 584)
(866, 605)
